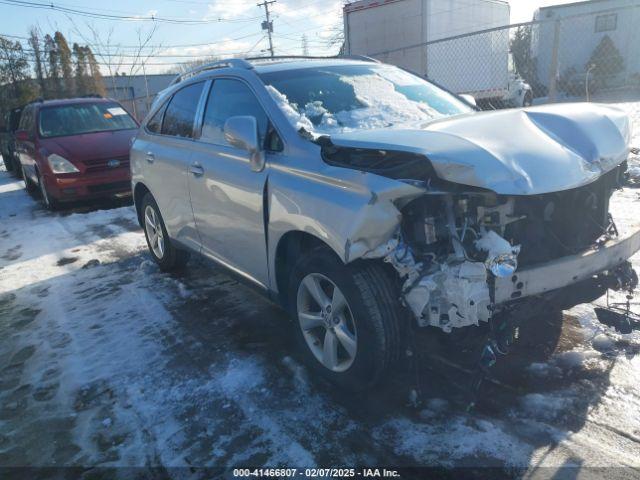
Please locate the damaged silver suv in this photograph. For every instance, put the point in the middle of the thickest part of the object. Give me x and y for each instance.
(369, 202)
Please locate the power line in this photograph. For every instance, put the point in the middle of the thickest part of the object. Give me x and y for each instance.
(186, 45)
(106, 16)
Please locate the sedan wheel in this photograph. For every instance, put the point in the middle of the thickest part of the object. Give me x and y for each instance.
(48, 203)
(327, 323)
(154, 232)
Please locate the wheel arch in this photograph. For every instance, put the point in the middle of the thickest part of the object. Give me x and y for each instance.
(291, 245)
(139, 191)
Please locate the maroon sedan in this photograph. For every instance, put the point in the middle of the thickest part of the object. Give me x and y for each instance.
(75, 149)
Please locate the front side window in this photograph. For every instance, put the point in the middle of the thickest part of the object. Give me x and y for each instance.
(229, 98)
(334, 99)
(606, 23)
(76, 119)
(180, 114)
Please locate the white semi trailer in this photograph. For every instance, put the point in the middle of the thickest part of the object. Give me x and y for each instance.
(406, 33)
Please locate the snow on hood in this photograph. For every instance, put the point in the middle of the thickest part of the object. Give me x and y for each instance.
(514, 152)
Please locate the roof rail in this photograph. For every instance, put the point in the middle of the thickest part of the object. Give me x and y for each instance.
(308, 57)
(228, 63)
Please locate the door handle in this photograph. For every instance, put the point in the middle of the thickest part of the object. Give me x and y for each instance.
(150, 157)
(196, 169)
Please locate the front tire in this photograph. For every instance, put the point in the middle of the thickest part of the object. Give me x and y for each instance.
(349, 321)
(48, 202)
(28, 184)
(164, 252)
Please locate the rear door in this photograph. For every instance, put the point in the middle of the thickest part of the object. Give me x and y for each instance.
(226, 195)
(166, 149)
(26, 150)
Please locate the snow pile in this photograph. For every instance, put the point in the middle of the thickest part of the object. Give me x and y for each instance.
(546, 407)
(382, 107)
(458, 438)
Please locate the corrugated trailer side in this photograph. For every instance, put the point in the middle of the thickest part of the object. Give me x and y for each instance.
(375, 26)
(478, 66)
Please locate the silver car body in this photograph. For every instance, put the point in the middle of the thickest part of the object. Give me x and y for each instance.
(212, 202)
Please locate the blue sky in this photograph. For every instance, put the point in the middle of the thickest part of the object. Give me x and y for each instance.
(232, 26)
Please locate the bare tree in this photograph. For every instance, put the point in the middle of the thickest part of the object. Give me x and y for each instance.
(14, 71)
(113, 57)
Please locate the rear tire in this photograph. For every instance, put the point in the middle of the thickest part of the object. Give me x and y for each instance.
(367, 334)
(168, 257)
(8, 163)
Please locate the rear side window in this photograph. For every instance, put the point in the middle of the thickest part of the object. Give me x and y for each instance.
(180, 115)
(229, 98)
(26, 119)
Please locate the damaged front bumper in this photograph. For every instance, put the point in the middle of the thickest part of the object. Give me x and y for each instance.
(567, 270)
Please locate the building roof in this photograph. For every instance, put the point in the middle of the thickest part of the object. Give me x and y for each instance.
(575, 4)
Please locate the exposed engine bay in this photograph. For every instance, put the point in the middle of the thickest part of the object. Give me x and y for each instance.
(451, 247)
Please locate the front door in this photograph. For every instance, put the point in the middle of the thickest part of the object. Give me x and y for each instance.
(226, 195)
(164, 152)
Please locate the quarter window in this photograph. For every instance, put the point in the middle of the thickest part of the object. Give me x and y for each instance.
(155, 124)
(606, 23)
(26, 120)
(229, 98)
(181, 112)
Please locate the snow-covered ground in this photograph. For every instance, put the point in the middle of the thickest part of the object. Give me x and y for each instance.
(105, 361)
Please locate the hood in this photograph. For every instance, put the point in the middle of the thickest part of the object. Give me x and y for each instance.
(88, 146)
(514, 152)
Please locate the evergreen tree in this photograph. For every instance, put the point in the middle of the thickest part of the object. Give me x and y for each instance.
(54, 89)
(524, 63)
(66, 64)
(605, 59)
(96, 77)
(82, 80)
(39, 67)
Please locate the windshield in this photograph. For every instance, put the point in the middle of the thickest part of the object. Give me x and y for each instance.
(335, 99)
(81, 118)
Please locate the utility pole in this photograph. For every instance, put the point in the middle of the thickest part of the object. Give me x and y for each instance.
(268, 23)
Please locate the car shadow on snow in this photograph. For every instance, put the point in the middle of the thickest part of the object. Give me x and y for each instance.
(536, 396)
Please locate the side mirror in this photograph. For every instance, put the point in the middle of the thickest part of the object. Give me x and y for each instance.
(22, 136)
(469, 99)
(242, 132)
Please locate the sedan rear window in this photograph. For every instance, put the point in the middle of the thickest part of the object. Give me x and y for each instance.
(76, 119)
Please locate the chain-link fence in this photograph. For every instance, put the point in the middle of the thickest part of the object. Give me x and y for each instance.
(578, 52)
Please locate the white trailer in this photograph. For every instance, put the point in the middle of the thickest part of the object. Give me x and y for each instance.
(405, 33)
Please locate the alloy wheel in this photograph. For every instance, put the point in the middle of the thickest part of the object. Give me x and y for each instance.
(153, 229)
(326, 322)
